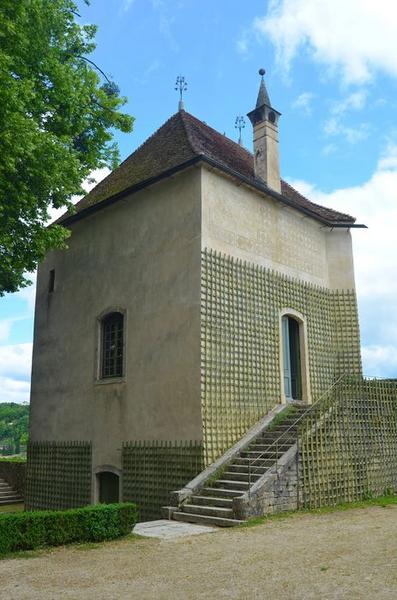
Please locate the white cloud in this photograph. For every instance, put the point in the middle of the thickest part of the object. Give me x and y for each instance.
(353, 135)
(16, 361)
(5, 329)
(355, 101)
(243, 42)
(357, 37)
(15, 368)
(166, 20)
(127, 4)
(304, 102)
(375, 358)
(330, 149)
(334, 126)
(28, 294)
(6, 326)
(374, 203)
(12, 390)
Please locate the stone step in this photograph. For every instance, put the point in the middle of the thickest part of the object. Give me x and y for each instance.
(222, 492)
(263, 462)
(232, 484)
(272, 447)
(277, 439)
(205, 520)
(244, 468)
(268, 447)
(271, 436)
(11, 500)
(265, 454)
(242, 476)
(212, 501)
(283, 426)
(211, 511)
(282, 432)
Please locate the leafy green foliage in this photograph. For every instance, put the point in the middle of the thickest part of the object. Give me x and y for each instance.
(29, 530)
(56, 117)
(14, 422)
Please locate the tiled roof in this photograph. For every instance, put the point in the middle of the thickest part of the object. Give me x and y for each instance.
(180, 141)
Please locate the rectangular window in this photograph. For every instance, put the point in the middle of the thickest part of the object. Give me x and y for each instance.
(51, 281)
(112, 345)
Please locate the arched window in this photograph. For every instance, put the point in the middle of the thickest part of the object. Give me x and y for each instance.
(112, 345)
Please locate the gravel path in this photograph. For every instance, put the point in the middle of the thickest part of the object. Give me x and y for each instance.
(343, 555)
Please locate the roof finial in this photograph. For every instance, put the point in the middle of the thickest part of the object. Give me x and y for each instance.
(181, 86)
(240, 124)
(263, 96)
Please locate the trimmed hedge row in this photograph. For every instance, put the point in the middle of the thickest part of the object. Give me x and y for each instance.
(28, 530)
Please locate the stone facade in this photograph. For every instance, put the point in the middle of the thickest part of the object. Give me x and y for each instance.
(202, 268)
(141, 256)
(278, 491)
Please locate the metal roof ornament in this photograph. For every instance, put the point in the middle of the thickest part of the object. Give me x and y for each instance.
(240, 124)
(181, 86)
(263, 96)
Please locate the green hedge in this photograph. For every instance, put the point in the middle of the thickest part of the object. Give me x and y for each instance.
(28, 530)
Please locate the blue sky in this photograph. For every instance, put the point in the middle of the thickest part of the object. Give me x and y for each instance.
(331, 72)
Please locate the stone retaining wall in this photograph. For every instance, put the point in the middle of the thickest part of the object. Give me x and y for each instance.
(276, 491)
(15, 475)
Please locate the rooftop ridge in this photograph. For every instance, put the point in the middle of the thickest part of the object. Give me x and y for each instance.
(182, 112)
(184, 138)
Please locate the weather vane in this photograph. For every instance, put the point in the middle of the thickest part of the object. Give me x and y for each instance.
(181, 86)
(239, 124)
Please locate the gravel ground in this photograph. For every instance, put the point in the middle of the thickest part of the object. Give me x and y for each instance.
(349, 555)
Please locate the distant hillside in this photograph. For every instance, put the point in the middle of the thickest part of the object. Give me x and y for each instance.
(14, 422)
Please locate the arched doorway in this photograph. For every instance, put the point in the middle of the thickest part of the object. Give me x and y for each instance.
(291, 356)
(108, 487)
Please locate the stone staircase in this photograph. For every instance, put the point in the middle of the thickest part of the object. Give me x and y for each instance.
(213, 504)
(7, 494)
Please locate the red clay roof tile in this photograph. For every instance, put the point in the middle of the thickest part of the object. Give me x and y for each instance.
(182, 139)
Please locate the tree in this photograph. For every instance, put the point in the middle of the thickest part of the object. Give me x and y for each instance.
(14, 423)
(57, 110)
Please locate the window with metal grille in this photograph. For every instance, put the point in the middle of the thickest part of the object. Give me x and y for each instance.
(112, 345)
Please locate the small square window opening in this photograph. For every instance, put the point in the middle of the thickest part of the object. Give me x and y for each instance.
(51, 281)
